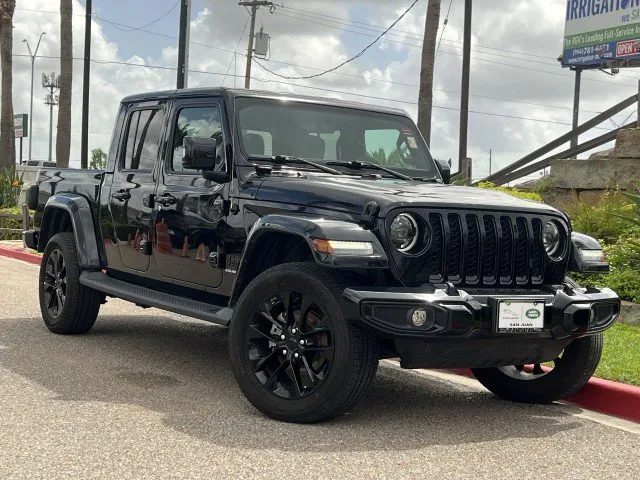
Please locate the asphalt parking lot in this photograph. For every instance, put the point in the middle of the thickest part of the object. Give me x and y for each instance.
(150, 395)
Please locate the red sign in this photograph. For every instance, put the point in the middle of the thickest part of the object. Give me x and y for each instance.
(630, 47)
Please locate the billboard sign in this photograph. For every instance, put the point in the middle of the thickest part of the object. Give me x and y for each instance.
(601, 31)
(20, 125)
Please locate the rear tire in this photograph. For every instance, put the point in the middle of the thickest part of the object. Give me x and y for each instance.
(571, 372)
(67, 306)
(326, 377)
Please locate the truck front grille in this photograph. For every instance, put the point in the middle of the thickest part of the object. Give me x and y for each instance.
(479, 249)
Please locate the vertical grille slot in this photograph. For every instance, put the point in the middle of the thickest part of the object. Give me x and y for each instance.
(472, 252)
(455, 252)
(506, 251)
(489, 251)
(522, 251)
(537, 269)
(436, 252)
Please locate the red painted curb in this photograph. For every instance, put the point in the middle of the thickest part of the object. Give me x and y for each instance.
(604, 396)
(613, 398)
(20, 255)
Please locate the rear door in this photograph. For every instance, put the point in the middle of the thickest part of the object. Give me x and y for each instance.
(190, 222)
(134, 183)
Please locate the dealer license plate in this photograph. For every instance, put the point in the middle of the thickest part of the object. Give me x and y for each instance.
(520, 316)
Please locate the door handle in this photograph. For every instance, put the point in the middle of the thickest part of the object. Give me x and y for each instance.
(121, 195)
(166, 199)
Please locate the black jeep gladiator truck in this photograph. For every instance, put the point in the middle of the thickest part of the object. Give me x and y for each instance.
(326, 237)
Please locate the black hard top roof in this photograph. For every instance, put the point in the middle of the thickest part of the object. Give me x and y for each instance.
(238, 92)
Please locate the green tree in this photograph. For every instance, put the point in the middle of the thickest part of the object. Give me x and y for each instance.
(98, 159)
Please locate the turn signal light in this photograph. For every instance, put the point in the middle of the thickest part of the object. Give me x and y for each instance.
(342, 248)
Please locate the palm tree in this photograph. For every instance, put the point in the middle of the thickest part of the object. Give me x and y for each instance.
(63, 135)
(425, 98)
(7, 150)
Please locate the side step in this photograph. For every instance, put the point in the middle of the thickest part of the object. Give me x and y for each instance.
(145, 296)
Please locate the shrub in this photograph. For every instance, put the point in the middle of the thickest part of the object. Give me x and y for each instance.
(9, 188)
(624, 281)
(600, 218)
(10, 223)
(512, 191)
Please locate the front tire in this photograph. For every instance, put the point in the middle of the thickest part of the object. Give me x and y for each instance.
(67, 306)
(571, 371)
(293, 354)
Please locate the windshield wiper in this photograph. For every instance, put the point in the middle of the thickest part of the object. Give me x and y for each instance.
(288, 160)
(370, 166)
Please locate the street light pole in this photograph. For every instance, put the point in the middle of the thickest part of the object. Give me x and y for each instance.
(33, 61)
(51, 83)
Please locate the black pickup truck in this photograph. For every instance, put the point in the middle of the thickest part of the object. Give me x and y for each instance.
(325, 235)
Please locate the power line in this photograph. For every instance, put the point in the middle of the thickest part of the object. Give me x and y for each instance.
(459, 54)
(244, 29)
(444, 27)
(132, 29)
(358, 55)
(312, 87)
(452, 92)
(100, 19)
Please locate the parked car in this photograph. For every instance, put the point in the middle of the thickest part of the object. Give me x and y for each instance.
(325, 236)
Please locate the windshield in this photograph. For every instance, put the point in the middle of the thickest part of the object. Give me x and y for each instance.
(324, 134)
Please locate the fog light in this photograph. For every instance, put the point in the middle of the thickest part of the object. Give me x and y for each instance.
(419, 317)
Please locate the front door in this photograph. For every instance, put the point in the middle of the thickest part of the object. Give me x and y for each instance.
(134, 183)
(190, 222)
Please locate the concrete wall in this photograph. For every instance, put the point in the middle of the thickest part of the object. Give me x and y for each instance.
(618, 168)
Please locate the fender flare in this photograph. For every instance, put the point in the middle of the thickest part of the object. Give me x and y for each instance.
(79, 211)
(309, 229)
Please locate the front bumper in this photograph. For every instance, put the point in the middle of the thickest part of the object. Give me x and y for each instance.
(461, 328)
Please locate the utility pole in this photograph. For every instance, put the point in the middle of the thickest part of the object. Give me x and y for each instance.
(183, 44)
(254, 4)
(425, 95)
(576, 105)
(33, 56)
(51, 83)
(84, 147)
(466, 72)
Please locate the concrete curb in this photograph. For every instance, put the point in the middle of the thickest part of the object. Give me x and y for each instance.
(20, 254)
(604, 396)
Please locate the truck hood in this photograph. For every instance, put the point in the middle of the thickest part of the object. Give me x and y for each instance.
(350, 194)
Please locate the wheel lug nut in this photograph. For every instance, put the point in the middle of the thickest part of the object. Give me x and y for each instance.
(294, 331)
(284, 352)
(302, 342)
(296, 355)
(282, 337)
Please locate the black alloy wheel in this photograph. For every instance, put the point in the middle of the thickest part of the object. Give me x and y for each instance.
(290, 344)
(55, 283)
(571, 371)
(67, 307)
(294, 354)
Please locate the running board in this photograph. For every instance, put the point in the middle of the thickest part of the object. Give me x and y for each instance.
(145, 296)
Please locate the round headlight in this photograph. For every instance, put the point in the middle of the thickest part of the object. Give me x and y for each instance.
(404, 232)
(551, 238)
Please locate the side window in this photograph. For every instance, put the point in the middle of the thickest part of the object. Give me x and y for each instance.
(195, 122)
(143, 140)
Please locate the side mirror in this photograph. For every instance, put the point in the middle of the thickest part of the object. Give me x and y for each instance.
(201, 153)
(445, 170)
(586, 255)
